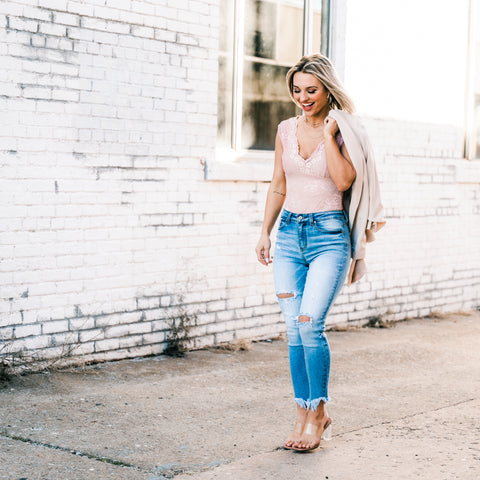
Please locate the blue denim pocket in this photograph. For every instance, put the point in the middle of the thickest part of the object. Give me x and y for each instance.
(282, 224)
(283, 220)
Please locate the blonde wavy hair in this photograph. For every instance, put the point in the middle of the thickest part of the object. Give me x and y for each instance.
(323, 70)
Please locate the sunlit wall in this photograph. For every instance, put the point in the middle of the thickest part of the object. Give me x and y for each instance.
(406, 59)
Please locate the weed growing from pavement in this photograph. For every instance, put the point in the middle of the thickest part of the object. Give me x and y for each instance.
(14, 361)
(6, 359)
(243, 344)
(180, 322)
(379, 322)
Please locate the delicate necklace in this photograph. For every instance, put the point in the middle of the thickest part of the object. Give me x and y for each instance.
(315, 133)
(312, 125)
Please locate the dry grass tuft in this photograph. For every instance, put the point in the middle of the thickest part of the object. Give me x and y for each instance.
(345, 328)
(232, 347)
(436, 314)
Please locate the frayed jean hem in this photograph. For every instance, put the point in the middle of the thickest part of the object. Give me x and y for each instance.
(302, 403)
(316, 402)
(311, 404)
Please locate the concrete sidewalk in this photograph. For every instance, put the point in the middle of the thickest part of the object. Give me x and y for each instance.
(406, 404)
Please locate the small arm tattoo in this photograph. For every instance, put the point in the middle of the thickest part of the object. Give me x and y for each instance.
(279, 193)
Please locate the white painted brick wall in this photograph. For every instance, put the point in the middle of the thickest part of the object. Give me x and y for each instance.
(108, 227)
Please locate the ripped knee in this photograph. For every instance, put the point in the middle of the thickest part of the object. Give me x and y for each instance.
(304, 319)
(285, 295)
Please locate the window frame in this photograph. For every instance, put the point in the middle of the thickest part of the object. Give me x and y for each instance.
(235, 162)
(471, 132)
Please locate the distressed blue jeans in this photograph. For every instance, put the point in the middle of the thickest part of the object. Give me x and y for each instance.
(310, 264)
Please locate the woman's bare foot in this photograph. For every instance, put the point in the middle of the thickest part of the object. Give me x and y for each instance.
(296, 434)
(315, 424)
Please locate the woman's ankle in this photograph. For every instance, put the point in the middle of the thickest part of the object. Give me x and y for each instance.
(316, 416)
(301, 416)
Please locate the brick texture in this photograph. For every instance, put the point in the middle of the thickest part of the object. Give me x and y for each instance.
(108, 227)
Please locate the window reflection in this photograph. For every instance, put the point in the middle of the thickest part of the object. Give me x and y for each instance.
(260, 23)
(273, 42)
(317, 26)
(265, 104)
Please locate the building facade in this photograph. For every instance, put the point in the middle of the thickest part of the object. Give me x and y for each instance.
(135, 154)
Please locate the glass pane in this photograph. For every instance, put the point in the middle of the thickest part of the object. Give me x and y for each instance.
(273, 42)
(225, 75)
(260, 22)
(289, 32)
(317, 26)
(265, 104)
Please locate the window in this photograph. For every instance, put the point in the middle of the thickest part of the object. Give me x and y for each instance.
(473, 105)
(259, 41)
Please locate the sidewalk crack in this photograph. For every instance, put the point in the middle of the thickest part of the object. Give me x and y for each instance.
(78, 453)
(388, 422)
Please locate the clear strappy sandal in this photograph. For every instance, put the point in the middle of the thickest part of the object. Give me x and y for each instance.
(310, 429)
(298, 429)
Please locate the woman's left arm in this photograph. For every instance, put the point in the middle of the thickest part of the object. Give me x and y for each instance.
(340, 166)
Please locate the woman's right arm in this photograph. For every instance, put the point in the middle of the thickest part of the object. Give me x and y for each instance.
(275, 199)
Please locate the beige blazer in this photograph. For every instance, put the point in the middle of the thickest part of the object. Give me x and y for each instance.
(362, 201)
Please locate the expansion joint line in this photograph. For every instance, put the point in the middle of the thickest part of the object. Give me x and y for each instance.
(389, 422)
(78, 453)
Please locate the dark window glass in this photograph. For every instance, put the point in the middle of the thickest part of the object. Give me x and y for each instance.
(273, 40)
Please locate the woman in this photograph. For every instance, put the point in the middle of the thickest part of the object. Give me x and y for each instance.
(312, 170)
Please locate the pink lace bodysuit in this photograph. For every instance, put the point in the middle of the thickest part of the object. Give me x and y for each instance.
(309, 186)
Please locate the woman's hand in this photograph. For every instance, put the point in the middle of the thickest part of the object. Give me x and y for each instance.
(263, 249)
(330, 127)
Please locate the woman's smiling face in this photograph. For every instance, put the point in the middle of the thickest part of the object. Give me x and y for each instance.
(310, 94)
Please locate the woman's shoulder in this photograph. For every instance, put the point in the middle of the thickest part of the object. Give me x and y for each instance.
(287, 125)
(289, 121)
